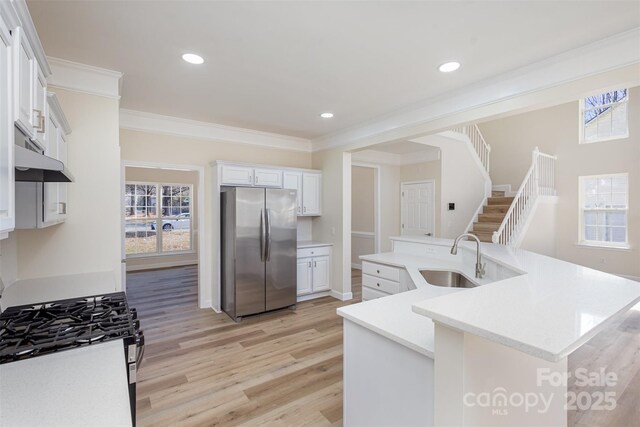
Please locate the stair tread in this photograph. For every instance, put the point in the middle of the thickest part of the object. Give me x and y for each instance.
(500, 200)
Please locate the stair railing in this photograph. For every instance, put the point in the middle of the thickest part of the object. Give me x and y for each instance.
(539, 180)
(483, 150)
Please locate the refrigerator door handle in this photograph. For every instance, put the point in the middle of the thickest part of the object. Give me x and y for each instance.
(263, 235)
(268, 235)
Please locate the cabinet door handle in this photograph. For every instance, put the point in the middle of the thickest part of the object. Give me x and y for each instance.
(378, 284)
(315, 264)
(378, 271)
(40, 127)
(309, 264)
(62, 208)
(256, 179)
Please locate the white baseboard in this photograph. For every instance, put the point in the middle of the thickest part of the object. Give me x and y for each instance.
(342, 296)
(206, 304)
(313, 296)
(156, 265)
(356, 266)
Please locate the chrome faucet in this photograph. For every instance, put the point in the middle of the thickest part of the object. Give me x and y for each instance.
(479, 265)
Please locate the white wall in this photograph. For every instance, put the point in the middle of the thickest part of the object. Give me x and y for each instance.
(89, 240)
(555, 131)
(541, 230)
(462, 183)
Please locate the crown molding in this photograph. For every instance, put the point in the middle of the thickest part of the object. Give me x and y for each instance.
(84, 78)
(167, 125)
(384, 158)
(612, 53)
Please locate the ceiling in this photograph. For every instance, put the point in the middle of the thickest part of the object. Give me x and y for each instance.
(276, 65)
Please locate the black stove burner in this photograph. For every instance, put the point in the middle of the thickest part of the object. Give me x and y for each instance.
(43, 328)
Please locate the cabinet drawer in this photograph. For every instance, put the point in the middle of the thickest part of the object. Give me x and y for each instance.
(380, 284)
(369, 294)
(380, 270)
(311, 252)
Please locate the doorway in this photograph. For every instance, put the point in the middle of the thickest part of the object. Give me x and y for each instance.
(417, 208)
(162, 212)
(365, 211)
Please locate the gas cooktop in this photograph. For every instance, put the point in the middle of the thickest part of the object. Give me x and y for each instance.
(43, 328)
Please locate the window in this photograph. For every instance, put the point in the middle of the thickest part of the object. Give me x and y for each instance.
(604, 117)
(150, 229)
(603, 210)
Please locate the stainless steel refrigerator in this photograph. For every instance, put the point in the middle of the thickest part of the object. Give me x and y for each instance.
(259, 243)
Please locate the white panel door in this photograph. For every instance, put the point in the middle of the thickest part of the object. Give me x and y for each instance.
(7, 185)
(304, 276)
(311, 193)
(321, 274)
(293, 181)
(268, 178)
(417, 209)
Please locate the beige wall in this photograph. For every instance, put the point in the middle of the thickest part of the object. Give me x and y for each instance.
(335, 223)
(175, 150)
(555, 131)
(89, 240)
(167, 176)
(8, 261)
(422, 172)
(363, 199)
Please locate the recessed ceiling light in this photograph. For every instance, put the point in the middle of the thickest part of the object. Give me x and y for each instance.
(326, 115)
(192, 58)
(448, 67)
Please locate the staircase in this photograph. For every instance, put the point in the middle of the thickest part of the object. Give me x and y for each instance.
(493, 213)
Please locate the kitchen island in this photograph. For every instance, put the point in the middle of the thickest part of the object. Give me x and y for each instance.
(523, 319)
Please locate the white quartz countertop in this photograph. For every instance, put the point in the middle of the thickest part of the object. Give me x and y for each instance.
(544, 306)
(312, 244)
(549, 311)
(42, 289)
(86, 386)
(393, 318)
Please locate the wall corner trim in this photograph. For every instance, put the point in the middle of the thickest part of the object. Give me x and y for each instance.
(84, 78)
(155, 123)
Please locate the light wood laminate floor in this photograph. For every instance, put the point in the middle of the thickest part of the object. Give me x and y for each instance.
(285, 368)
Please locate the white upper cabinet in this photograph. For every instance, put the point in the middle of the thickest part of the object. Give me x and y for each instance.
(50, 191)
(236, 175)
(55, 193)
(307, 183)
(267, 178)
(7, 185)
(311, 193)
(292, 180)
(40, 108)
(24, 83)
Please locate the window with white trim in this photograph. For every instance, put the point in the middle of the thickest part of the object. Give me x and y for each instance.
(604, 116)
(604, 205)
(152, 230)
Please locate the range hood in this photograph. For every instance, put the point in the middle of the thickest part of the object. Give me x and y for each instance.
(32, 166)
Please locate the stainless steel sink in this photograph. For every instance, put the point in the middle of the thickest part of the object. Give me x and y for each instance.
(448, 279)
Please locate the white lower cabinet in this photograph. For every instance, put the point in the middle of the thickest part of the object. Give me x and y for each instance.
(381, 280)
(314, 271)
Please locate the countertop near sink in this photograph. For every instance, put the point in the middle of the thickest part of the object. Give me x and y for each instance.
(86, 386)
(548, 312)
